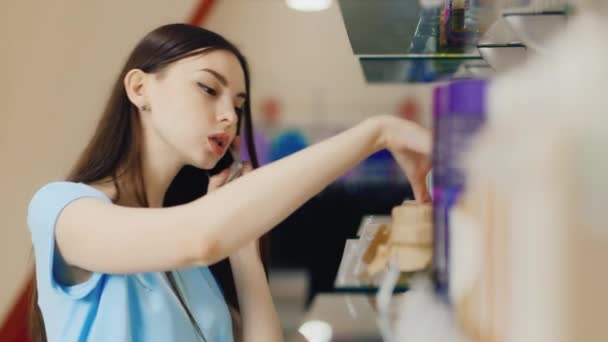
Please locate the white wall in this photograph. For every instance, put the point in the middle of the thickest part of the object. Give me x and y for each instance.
(58, 60)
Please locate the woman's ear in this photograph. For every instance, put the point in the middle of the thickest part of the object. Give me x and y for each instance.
(134, 83)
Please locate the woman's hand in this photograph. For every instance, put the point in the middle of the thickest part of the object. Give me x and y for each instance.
(411, 146)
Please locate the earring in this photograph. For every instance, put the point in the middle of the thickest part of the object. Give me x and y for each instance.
(144, 108)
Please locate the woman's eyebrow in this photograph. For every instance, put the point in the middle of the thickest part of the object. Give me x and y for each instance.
(222, 79)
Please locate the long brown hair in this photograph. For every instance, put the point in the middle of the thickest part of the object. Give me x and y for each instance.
(116, 143)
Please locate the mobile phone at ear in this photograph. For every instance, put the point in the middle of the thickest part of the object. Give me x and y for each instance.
(225, 162)
(229, 160)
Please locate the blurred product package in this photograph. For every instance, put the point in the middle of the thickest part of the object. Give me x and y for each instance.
(528, 236)
(459, 112)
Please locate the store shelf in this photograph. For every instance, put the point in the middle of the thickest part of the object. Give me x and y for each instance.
(399, 42)
(515, 13)
(413, 68)
(535, 29)
(499, 45)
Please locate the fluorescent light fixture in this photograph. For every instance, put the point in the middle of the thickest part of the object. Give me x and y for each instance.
(431, 3)
(309, 5)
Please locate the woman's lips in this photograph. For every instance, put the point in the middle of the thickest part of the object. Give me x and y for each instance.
(218, 143)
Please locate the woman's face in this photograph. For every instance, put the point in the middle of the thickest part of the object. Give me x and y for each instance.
(195, 105)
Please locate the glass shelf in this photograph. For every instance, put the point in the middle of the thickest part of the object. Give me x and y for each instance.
(520, 13)
(413, 68)
(435, 41)
(500, 45)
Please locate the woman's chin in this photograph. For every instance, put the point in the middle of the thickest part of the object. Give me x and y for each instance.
(205, 163)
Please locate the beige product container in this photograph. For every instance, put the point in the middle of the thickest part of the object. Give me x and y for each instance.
(512, 222)
(586, 237)
(412, 224)
(408, 238)
(530, 240)
(479, 264)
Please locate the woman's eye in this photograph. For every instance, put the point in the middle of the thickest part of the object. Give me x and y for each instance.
(206, 89)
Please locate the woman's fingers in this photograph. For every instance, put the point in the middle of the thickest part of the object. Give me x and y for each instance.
(411, 145)
(247, 167)
(218, 180)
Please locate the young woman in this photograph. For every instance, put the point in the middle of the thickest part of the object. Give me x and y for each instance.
(124, 246)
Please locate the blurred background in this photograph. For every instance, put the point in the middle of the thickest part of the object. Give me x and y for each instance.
(502, 83)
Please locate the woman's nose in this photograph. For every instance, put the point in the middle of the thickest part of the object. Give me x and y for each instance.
(228, 115)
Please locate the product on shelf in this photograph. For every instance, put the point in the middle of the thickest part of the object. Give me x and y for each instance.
(479, 264)
(408, 239)
(412, 224)
(412, 258)
(459, 113)
(380, 239)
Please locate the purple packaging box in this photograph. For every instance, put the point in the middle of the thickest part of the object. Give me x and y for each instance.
(459, 110)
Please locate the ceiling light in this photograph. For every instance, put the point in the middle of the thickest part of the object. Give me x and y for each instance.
(309, 5)
(316, 331)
